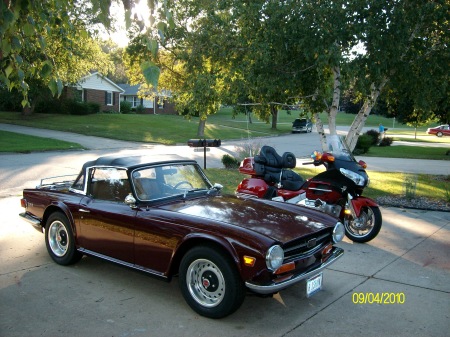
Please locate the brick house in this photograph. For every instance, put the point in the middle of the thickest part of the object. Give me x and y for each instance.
(158, 105)
(96, 88)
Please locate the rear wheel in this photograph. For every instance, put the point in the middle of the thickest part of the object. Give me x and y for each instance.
(365, 227)
(60, 241)
(210, 283)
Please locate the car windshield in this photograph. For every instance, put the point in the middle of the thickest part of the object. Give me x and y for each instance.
(157, 182)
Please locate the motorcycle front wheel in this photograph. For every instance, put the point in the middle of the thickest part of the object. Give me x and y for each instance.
(365, 227)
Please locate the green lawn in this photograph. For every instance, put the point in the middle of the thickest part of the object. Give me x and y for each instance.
(15, 142)
(411, 152)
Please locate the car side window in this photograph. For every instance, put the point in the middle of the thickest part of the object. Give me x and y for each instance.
(109, 183)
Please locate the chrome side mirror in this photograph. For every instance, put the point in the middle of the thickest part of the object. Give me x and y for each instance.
(217, 186)
(130, 200)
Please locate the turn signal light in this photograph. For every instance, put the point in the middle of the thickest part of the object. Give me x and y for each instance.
(249, 261)
(363, 164)
(285, 268)
(327, 249)
(328, 157)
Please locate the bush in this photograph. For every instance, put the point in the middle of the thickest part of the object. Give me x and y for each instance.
(230, 162)
(375, 136)
(140, 109)
(74, 107)
(247, 149)
(125, 107)
(50, 106)
(363, 144)
(386, 141)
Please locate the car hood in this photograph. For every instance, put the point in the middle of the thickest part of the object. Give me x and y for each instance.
(282, 222)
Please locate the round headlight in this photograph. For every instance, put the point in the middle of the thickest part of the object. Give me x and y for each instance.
(338, 232)
(274, 257)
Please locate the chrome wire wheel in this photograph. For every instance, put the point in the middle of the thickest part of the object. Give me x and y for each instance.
(58, 238)
(205, 282)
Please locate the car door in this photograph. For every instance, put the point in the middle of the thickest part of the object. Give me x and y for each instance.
(106, 222)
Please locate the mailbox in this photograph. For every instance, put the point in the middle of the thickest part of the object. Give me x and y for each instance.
(204, 142)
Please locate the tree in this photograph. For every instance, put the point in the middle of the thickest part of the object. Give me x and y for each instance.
(49, 42)
(257, 38)
(401, 39)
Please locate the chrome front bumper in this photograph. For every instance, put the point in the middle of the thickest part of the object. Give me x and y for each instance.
(276, 287)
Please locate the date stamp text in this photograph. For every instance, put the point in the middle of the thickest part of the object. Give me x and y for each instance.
(378, 298)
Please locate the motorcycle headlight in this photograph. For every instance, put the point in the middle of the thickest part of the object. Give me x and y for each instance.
(357, 178)
(274, 257)
(338, 232)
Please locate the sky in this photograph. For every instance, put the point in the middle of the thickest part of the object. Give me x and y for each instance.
(118, 13)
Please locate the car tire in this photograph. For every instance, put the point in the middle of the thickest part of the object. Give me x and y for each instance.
(60, 241)
(439, 134)
(210, 282)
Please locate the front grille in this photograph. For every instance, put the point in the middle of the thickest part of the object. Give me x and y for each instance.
(306, 246)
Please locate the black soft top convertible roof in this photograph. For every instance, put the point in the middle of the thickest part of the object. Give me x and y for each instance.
(132, 162)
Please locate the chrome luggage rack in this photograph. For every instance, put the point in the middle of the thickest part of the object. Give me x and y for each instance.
(51, 185)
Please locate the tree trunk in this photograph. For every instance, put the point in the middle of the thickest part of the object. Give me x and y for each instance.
(321, 132)
(335, 103)
(201, 128)
(364, 112)
(274, 112)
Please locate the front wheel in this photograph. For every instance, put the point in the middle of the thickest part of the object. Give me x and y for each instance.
(365, 227)
(210, 283)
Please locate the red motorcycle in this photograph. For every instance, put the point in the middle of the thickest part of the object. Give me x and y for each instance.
(336, 191)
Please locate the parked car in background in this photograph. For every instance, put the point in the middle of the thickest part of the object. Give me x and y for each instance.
(441, 130)
(162, 216)
(301, 125)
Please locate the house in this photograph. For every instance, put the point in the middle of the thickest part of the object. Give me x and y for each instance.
(96, 88)
(158, 105)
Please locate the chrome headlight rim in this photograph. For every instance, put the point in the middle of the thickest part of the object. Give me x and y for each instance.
(355, 177)
(274, 257)
(338, 232)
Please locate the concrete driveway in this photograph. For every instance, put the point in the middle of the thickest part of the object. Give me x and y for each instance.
(407, 265)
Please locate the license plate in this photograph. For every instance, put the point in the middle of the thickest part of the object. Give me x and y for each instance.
(313, 285)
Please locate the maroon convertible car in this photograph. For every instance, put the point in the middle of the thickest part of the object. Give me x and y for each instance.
(163, 216)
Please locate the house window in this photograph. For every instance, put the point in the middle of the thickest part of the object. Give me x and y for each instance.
(108, 98)
(136, 101)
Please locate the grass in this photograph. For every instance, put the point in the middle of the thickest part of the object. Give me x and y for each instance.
(14, 142)
(381, 183)
(409, 152)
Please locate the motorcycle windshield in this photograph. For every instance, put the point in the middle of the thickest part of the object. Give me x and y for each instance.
(339, 148)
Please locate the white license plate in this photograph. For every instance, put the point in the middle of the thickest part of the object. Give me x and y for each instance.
(313, 285)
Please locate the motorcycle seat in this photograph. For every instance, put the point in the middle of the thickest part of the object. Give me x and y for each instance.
(276, 169)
